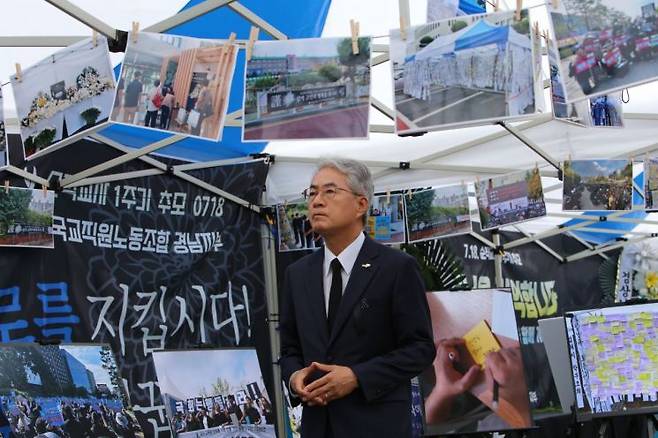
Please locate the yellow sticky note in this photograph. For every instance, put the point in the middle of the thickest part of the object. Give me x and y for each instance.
(480, 341)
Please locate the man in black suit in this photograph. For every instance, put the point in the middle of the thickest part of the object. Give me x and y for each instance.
(355, 325)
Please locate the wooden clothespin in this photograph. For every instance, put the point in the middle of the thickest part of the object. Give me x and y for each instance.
(410, 194)
(388, 196)
(535, 29)
(94, 38)
(555, 4)
(403, 28)
(19, 72)
(354, 25)
(253, 36)
(44, 188)
(519, 6)
(496, 5)
(231, 38)
(135, 31)
(7, 186)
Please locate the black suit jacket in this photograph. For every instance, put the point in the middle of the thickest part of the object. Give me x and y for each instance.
(382, 332)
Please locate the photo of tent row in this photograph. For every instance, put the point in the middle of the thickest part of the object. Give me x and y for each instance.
(605, 45)
(463, 71)
(69, 92)
(64, 391)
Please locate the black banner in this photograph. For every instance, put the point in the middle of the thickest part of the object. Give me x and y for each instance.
(542, 287)
(143, 264)
(283, 100)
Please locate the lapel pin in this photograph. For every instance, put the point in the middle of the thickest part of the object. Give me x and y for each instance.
(366, 265)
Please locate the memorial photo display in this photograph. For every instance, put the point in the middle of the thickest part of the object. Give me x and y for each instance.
(68, 388)
(605, 45)
(64, 94)
(307, 88)
(651, 183)
(465, 71)
(606, 111)
(437, 213)
(175, 84)
(386, 219)
(597, 185)
(510, 199)
(614, 359)
(4, 156)
(27, 217)
(294, 227)
(477, 381)
(224, 397)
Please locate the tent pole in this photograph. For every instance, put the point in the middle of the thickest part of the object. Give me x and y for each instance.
(84, 17)
(588, 253)
(115, 177)
(257, 21)
(39, 41)
(542, 245)
(498, 259)
(271, 292)
(187, 15)
(26, 175)
(586, 244)
(67, 141)
(532, 145)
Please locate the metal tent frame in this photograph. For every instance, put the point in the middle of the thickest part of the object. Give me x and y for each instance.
(551, 168)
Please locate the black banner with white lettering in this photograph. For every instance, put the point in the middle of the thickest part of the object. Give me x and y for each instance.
(144, 264)
(542, 287)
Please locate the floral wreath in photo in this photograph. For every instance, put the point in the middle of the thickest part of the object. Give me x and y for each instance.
(89, 84)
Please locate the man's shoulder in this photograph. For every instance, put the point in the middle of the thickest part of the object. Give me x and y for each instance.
(392, 255)
(305, 262)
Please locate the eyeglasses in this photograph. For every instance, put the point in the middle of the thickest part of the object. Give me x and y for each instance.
(326, 192)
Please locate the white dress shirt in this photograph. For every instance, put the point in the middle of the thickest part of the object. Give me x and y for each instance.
(347, 259)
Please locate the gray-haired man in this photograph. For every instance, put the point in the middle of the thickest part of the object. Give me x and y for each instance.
(355, 326)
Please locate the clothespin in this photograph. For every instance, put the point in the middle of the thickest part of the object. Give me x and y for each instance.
(410, 194)
(555, 4)
(94, 38)
(44, 188)
(388, 196)
(519, 5)
(253, 36)
(135, 31)
(496, 5)
(19, 72)
(7, 186)
(231, 38)
(535, 28)
(354, 25)
(403, 28)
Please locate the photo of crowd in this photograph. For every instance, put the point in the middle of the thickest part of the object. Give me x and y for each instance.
(464, 71)
(605, 45)
(606, 111)
(175, 84)
(294, 228)
(597, 185)
(510, 199)
(307, 88)
(477, 382)
(67, 93)
(437, 213)
(27, 217)
(386, 219)
(64, 391)
(225, 393)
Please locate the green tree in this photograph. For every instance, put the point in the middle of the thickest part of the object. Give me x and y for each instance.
(347, 58)
(534, 184)
(458, 25)
(13, 372)
(419, 207)
(14, 207)
(331, 72)
(221, 386)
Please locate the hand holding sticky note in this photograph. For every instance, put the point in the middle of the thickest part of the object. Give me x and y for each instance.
(480, 341)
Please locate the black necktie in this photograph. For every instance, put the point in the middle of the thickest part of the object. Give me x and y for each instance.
(336, 291)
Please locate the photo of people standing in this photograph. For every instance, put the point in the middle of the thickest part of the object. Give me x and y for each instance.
(607, 110)
(295, 232)
(175, 84)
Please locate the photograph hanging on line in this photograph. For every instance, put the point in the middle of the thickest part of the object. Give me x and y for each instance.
(26, 217)
(386, 219)
(597, 185)
(437, 213)
(651, 183)
(294, 414)
(443, 9)
(466, 71)
(294, 228)
(4, 156)
(614, 360)
(224, 397)
(605, 45)
(307, 88)
(71, 390)
(175, 84)
(66, 93)
(573, 112)
(510, 199)
(478, 356)
(606, 111)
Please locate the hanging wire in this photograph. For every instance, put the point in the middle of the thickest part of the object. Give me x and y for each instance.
(628, 96)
